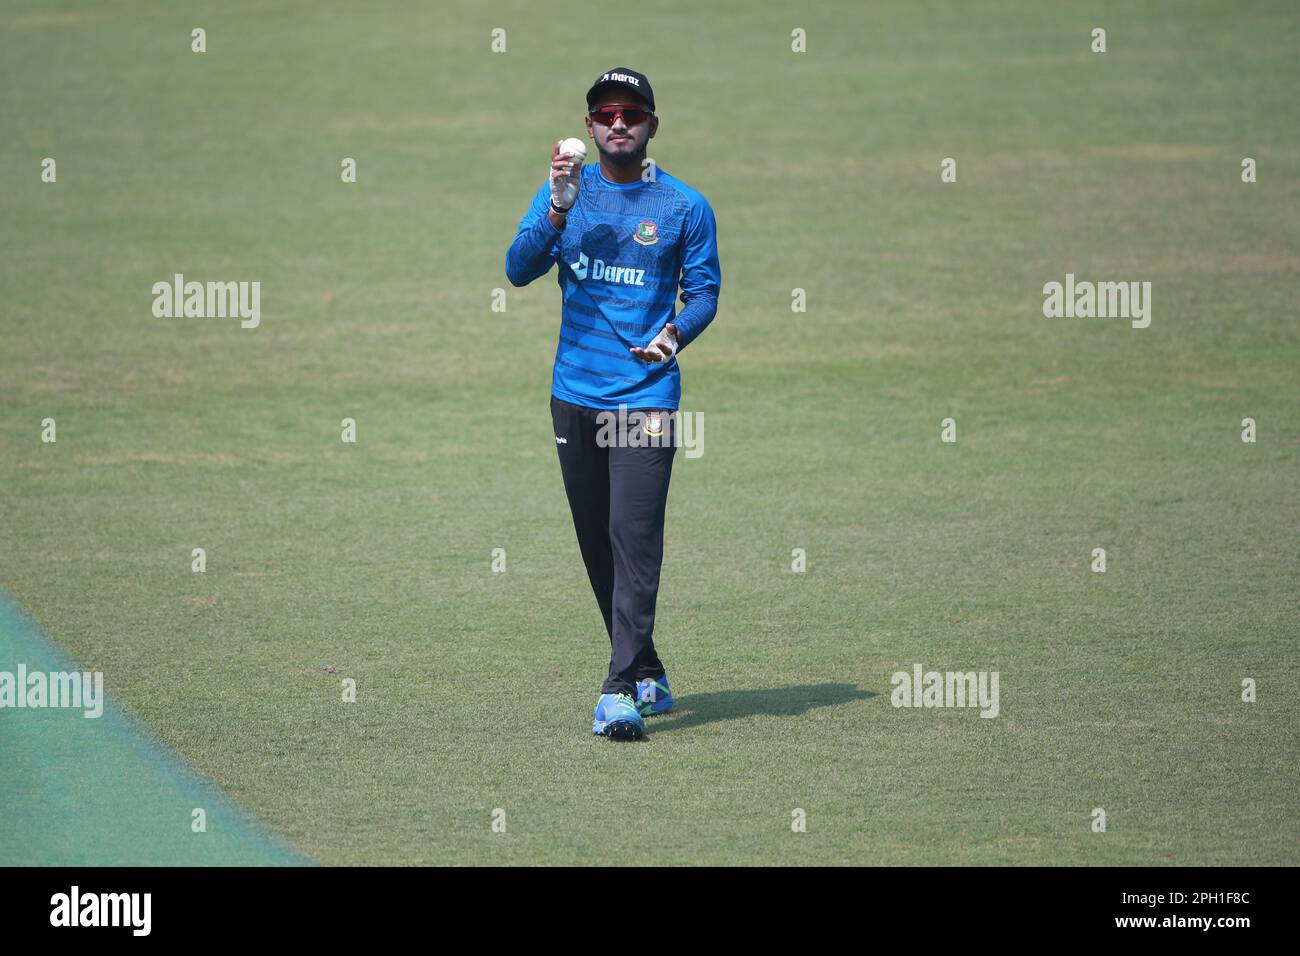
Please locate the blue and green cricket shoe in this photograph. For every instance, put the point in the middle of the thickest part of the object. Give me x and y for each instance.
(653, 696)
(616, 717)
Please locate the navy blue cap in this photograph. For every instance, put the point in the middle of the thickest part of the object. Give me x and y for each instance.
(621, 76)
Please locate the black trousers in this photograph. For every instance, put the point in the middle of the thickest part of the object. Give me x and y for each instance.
(616, 471)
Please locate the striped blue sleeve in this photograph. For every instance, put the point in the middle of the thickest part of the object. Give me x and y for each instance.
(537, 242)
(701, 274)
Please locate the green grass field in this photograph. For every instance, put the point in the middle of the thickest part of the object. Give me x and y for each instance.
(1119, 690)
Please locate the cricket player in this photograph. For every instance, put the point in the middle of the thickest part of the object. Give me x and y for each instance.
(624, 237)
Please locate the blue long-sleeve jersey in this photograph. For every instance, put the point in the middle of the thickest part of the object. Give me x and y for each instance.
(623, 252)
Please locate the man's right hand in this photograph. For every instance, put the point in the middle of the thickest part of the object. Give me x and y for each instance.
(564, 187)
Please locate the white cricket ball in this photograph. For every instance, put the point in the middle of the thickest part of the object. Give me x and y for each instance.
(575, 146)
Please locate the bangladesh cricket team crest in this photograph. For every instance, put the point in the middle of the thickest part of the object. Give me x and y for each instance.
(647, 233)
(654, 424)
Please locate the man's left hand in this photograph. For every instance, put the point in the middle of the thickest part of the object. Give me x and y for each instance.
(661, 348)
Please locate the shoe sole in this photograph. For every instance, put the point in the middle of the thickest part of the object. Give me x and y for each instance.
(621, 730)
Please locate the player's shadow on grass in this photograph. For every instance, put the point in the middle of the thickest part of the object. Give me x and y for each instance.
(695, 709)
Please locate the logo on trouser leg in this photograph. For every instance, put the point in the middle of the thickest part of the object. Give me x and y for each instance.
(651, 429)
(634, 429)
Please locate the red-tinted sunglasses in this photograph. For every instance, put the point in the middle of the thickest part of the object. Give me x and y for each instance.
(632, 115)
